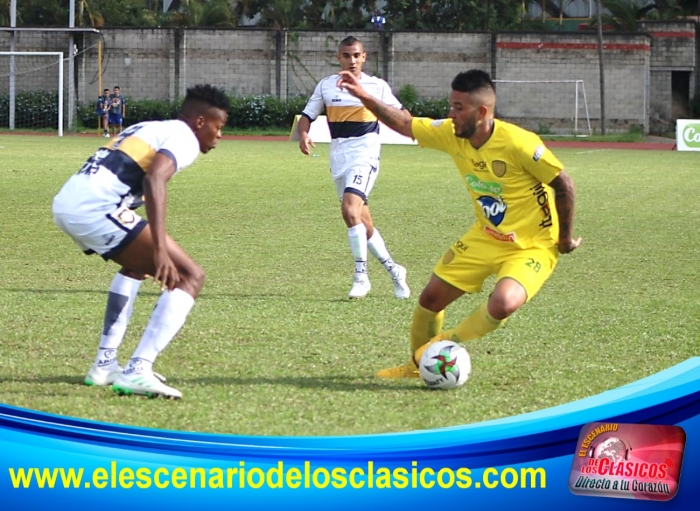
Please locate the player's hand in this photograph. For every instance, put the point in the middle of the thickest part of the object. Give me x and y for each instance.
(350, 83)
(166, 271)
(305, 143)
(566, 246)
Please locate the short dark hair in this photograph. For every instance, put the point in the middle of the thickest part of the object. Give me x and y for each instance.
(349, 41)
(473, 80)
(106, 90)
(117, 87)
(212, 96)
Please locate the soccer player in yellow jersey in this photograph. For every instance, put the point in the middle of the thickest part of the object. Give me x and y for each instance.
(524, 205)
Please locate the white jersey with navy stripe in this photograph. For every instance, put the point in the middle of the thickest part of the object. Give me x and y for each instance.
(354, 129)
(114, 174)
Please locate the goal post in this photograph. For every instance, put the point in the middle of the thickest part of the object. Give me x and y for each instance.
(547, 107)
(31, 90)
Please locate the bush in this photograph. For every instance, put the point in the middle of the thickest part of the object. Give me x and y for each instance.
(33, 110)
(39, 109)
(433, 108)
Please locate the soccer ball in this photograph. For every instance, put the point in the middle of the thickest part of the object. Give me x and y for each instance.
(445, 365)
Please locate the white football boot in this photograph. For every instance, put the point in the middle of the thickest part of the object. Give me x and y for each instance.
(143, 384)
(398, 278)
(360, 286)
(102, 376)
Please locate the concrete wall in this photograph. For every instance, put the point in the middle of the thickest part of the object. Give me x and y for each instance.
(162, 63)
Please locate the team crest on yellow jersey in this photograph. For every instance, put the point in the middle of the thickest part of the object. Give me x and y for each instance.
(499, 168)
(448, 257)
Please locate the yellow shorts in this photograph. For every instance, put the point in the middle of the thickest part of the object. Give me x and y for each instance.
(475, 256)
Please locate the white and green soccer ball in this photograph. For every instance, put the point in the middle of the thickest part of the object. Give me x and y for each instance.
(445, 365)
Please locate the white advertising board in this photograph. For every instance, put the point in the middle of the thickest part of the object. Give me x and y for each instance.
(688, 135)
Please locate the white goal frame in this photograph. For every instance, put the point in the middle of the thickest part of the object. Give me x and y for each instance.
(576, 100)
(58, 54)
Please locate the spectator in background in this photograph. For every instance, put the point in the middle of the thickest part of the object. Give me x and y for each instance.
(378, 21)
(117, 112)
(104, 103)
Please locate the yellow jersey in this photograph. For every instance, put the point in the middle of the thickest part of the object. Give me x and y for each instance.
(507, 179)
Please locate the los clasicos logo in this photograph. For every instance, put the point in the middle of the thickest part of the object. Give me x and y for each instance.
(633, 461)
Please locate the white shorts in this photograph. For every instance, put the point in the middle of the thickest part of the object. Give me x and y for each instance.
(104, 234)
(358, 179)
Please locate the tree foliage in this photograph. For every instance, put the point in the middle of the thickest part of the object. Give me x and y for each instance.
(434, 15)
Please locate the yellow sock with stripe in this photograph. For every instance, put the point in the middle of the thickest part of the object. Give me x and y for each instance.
(478, 324)
(425, 325)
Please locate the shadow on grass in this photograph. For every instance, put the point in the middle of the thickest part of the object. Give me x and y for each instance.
(332, 383)
(202, 297)
(50, 380)
(329, 383)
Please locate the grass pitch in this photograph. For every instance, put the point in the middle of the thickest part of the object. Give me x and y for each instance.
(272, 346)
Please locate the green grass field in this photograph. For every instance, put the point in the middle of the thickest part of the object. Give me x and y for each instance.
(274, 348)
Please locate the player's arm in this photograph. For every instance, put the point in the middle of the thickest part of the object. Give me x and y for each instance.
(397, 119)
(563, 187)
(155, 194)
(303, 127)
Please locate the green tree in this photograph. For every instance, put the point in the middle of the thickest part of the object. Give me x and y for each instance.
(42, 13)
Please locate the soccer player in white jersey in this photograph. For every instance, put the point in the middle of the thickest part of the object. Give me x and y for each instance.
(354, 161)
(95, 208)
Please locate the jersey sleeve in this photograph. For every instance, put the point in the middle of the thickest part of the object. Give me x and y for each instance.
(315, 105)
(181, 146)
(539, 161)
(388, 96)
(433, 133)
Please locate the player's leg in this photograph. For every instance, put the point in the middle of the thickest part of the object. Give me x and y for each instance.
(167, 319)
(519, 279)
(105, 125)
(520, 276)
(120, 305)
(462, 269)
(377, 247)
(352, 201)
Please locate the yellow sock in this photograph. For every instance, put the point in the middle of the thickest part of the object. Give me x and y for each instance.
(477, 325)
(424, 326)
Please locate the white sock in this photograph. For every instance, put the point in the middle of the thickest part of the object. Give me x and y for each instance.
(167, 319)
(357, 237)
(120, 305)
(378, 249)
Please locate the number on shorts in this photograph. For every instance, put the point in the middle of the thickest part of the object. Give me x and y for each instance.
(535, 265)
(357, 180)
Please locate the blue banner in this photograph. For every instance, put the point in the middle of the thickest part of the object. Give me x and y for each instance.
(522, 462)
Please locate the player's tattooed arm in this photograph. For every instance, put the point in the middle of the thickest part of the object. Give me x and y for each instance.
(564, 200)
(397, 119)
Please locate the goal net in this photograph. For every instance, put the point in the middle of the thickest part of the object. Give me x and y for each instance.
(32, 91)
(547, 107)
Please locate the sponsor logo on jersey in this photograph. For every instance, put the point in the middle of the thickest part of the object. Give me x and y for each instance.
(336, 100)
(542, 196)
(499, 168)
(539, 151)
(480, 166)
(494, 208)
(437, 123)
(499, 235)
(480, 186)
